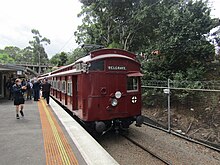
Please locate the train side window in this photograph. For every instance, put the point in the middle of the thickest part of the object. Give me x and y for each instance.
(54, 83)
(58, 85)
(132, 84)
(69, 88)
(97, 65)
(63, 86)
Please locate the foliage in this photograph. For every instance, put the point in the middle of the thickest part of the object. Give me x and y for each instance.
(5, 59)
(76, 54)
(55, 60)
(39, 54)
(110, 23)
(30, 54)
(182, 41)
(12, 51)
(177, 29)
(59, 59)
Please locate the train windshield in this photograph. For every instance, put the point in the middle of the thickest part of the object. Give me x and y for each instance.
(97, 65)
(132, 84)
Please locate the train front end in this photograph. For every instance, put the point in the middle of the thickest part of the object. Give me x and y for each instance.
(112, 85)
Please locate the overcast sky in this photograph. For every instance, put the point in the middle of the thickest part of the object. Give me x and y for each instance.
(55, 19)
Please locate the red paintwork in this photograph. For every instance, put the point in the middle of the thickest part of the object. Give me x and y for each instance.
(112, 51)
(87, 100)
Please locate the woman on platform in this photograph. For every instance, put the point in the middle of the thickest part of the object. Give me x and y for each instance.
(18, 91)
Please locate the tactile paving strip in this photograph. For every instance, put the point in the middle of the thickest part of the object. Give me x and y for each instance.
(57, 148)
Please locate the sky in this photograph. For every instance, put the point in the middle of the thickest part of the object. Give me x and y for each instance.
(55, 19)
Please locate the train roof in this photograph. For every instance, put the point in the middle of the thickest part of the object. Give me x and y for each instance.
(100, 54)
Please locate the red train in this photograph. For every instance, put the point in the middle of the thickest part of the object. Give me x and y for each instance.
(103, 89)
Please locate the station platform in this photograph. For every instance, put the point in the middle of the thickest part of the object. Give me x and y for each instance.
(46, 135)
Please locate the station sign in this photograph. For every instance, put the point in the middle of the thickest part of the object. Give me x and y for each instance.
(116, 67)
(19, 72)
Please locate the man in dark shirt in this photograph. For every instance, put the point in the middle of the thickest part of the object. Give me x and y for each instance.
(18, 91)
(46, 87)
(43, 90)
(36, 89)
(9, 86)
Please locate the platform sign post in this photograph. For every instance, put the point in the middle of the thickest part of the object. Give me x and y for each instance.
(167, 91)
(168, 106)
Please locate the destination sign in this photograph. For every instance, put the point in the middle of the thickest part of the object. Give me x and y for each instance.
(116, 68)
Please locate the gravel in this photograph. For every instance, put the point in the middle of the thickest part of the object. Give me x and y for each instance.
(171, 148)
(174, 149)
(125, 152)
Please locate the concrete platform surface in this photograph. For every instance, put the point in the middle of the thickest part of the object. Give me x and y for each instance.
(21, 140)
(46, 135)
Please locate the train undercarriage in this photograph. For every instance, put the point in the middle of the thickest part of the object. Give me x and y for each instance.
(121, 124)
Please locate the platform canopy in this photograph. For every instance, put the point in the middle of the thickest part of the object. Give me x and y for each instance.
(8, 68)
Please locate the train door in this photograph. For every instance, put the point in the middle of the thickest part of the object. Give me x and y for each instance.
(60, 89)
(56, 87)
(69, 93)
(75, 93)
(66, 80)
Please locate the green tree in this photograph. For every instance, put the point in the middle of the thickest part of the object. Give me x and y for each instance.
(110, 23)
(178, 30)
(59, 59)
(55, 60)
(6, 59)
(182, 39)
(28, 55)
(37, 46)
(76, 54)
(12, 51)
(63, 59)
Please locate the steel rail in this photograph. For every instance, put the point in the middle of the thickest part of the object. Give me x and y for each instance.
(185, 137)
(147, 150)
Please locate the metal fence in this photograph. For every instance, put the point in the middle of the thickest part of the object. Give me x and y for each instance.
(187, 108)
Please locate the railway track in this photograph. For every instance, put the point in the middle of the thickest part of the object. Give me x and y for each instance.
(147, 150)
(149, 122)
(129, 151)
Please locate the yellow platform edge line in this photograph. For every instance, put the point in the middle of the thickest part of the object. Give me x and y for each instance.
(64, 156)
(61, 148)
(51, 149)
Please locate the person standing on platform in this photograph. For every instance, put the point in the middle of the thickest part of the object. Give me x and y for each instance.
(9, 86)
(36, 88)
(29, 90)
(18, 91)
(43, 88)
(47, 87)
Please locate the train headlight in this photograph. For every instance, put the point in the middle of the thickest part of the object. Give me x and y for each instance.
(114, 102)
(118, 95)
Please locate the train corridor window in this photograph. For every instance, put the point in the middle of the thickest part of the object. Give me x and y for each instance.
(64, 86)
(55, 84)
(132, 84)
(69, 88)
(58, 85)
(97, 65)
